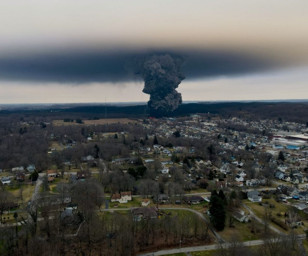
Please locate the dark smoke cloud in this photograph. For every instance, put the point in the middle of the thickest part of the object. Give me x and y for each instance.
(99, 66)
(162, 75)
(161, 70)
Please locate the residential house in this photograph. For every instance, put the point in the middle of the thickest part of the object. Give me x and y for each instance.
(81, 175)
(18, 169)
(253, 196)
(31, 168)
(279, 175)
(115, 197)
(252, 182)
(20, 176)
(165, 170)
(122, 197)
(52, 173)
(303, 195)
(88, 158)
(6, 180)
(145, 202)
(194, 199)
(240, 216)
(162, 199)
(239, 178)
(144, 213)
(126, 196)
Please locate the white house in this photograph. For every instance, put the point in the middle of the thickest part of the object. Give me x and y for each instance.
(122, 198)
(18, 169)
(239, 178)
(145, 202)
(6, 180)
(165, 170)
(126, 196)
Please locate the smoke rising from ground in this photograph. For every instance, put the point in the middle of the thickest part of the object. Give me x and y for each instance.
(162, 75)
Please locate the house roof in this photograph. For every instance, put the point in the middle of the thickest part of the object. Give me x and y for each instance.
(253, 193)
(126, 193)
(51, 171)
(116, 196)
(145, 212)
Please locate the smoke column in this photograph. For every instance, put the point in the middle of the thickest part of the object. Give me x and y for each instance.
(162, 75)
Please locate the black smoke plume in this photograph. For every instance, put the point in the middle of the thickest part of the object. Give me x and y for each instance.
(162, 75)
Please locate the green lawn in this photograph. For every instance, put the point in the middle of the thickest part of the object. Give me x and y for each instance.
(25, 189)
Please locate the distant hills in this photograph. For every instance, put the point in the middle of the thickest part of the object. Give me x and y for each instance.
(288, 111)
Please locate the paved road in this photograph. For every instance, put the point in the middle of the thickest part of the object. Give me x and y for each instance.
(199, 248)
(206, 247)
(38, 184)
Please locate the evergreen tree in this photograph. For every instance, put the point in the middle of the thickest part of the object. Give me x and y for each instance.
(211, 175)
(223, 197)
(155, 141)
(217, 211)
(233, 195)
(177, 134)
(281, 156)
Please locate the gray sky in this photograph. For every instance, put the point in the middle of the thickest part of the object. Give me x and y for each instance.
(272, 32)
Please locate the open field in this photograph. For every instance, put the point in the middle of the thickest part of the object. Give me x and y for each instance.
(240, 231)
(26, 190)
(96, 122)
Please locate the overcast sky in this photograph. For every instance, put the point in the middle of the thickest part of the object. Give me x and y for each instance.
(77, 50)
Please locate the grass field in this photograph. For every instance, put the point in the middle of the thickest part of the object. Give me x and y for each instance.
(27, 191)
(240, 231)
